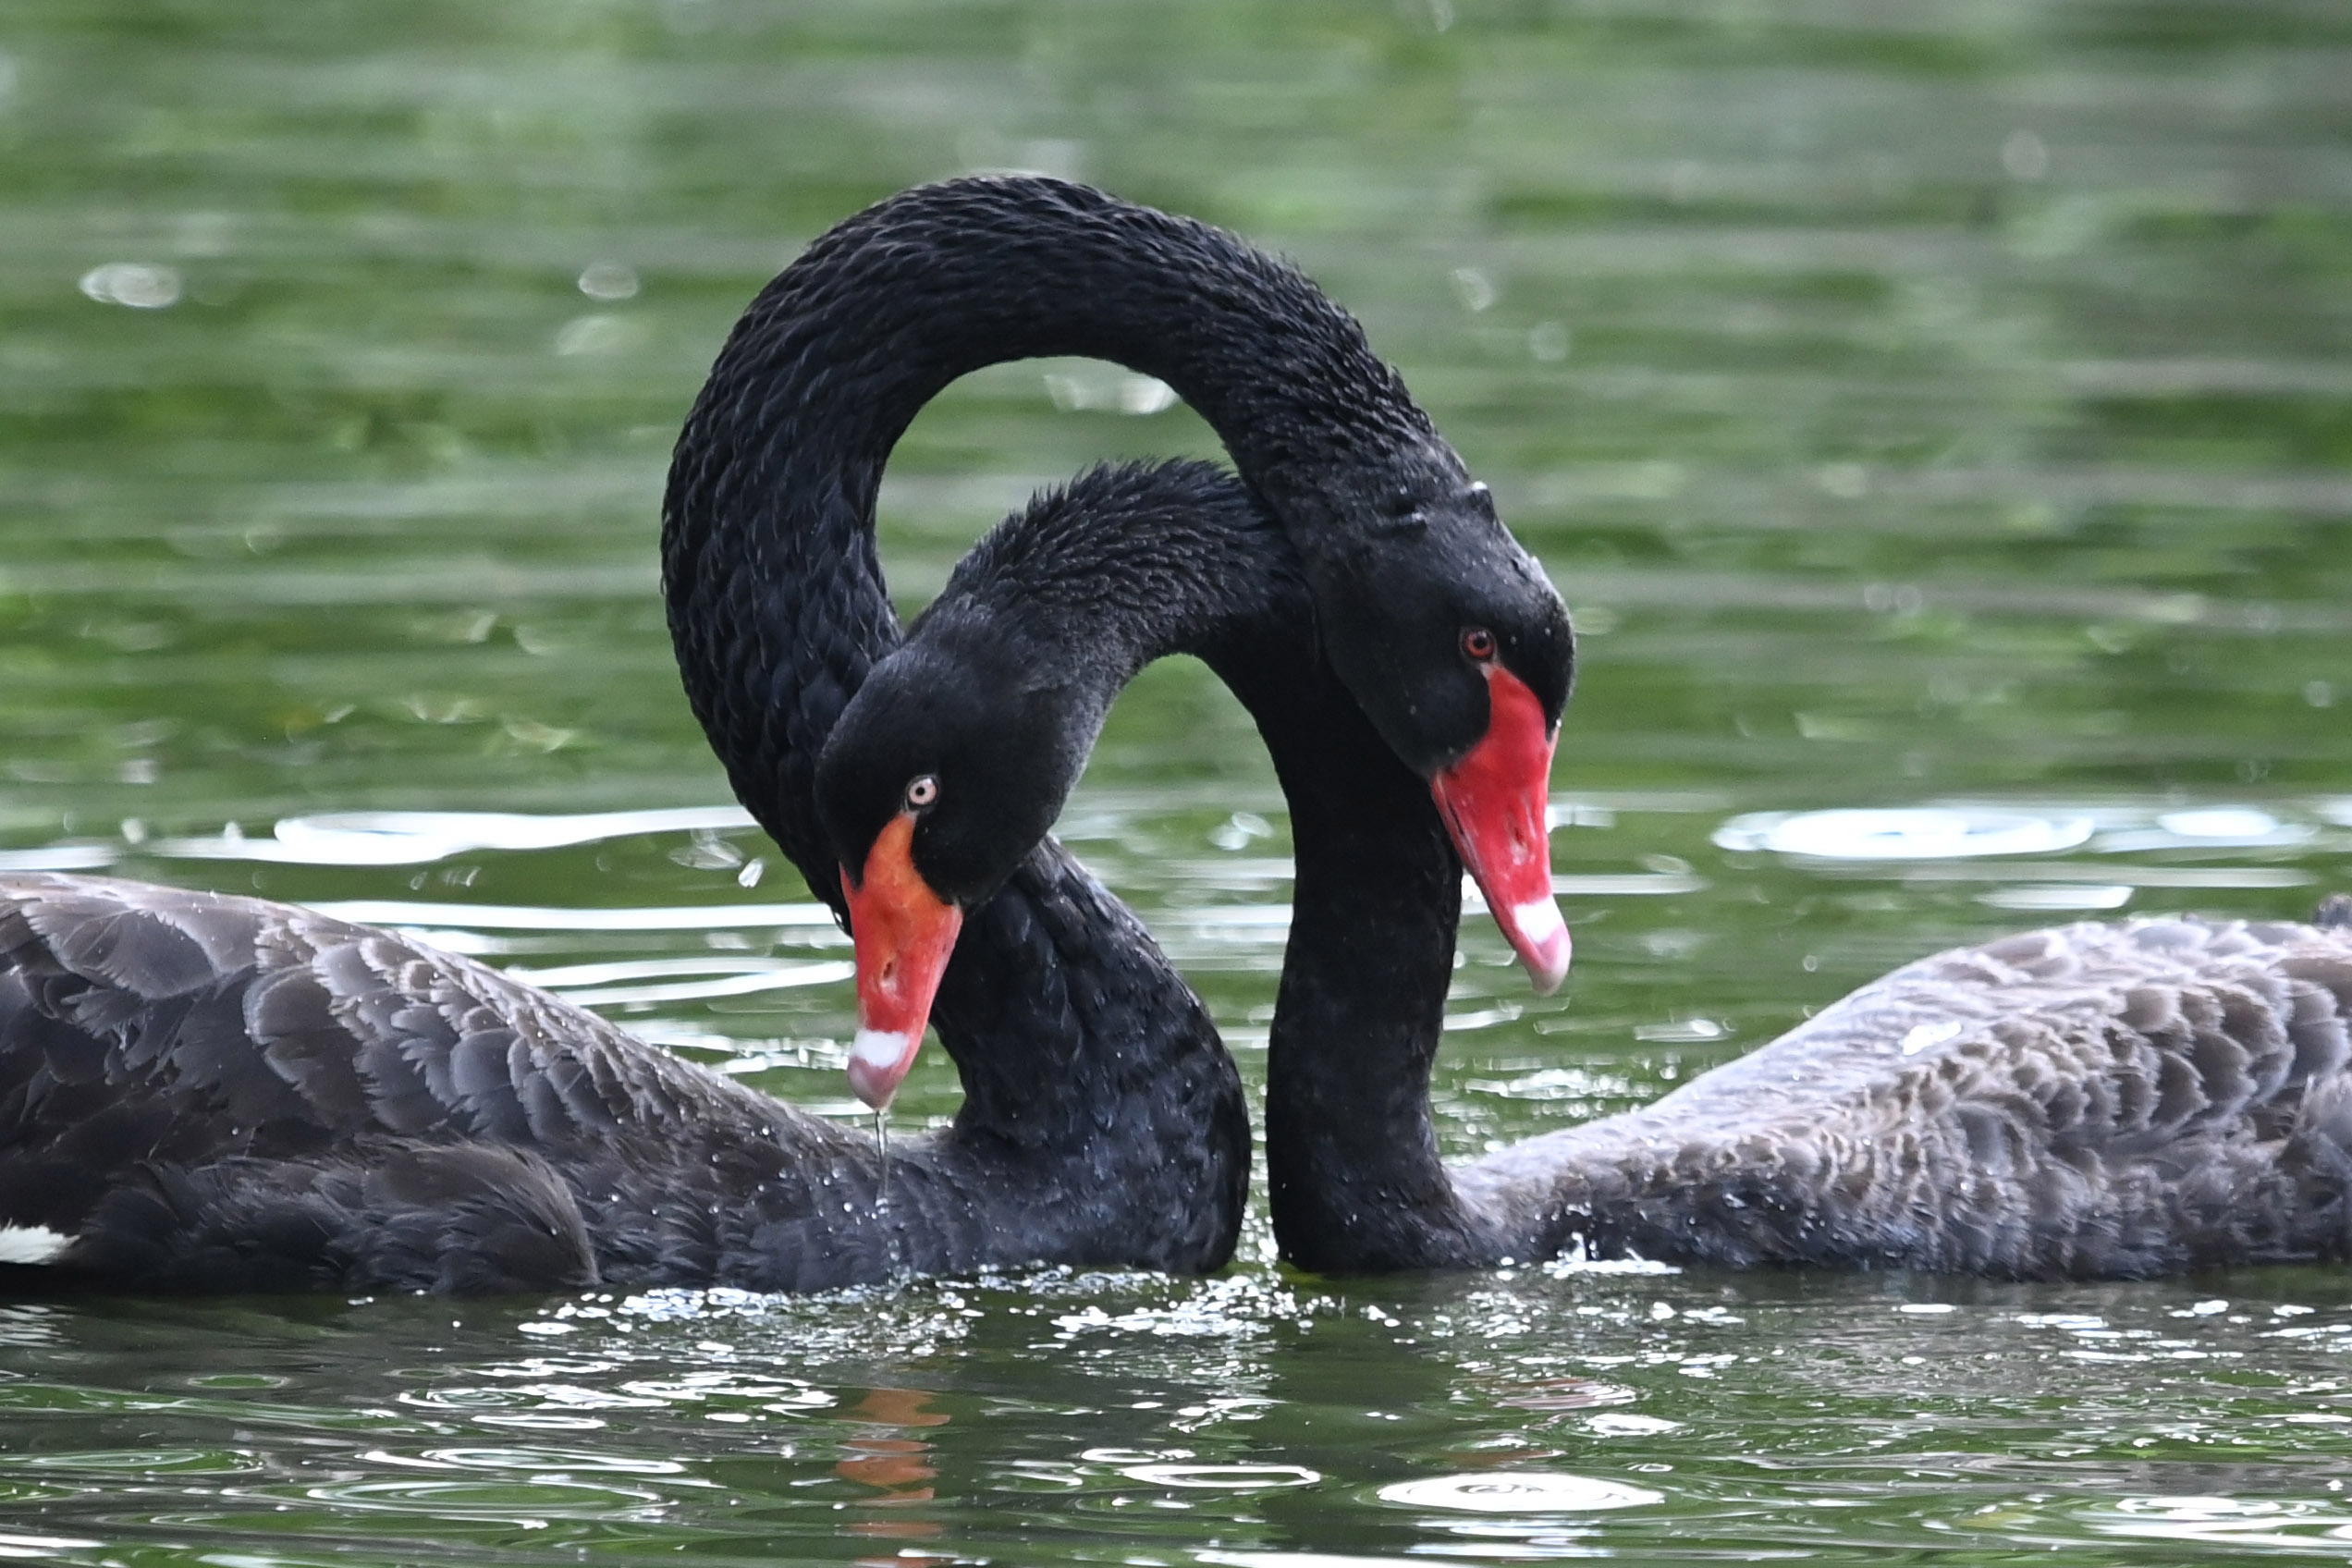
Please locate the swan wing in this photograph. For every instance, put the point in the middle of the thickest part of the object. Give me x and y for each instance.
(196, 1088)
(2124, 1099)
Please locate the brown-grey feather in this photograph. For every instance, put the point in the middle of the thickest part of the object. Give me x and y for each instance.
(2122, 1100)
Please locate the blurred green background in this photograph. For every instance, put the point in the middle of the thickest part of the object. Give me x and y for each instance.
(1942, 412)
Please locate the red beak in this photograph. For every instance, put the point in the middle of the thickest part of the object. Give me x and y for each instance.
(1493, 805)
(904, 933)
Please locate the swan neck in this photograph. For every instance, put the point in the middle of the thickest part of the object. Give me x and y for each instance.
(778, 610)
(1355, 1180)
(776, 600)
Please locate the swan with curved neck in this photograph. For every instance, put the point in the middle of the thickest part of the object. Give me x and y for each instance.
(1443, 628)
(2097, 1100)
(208, 1092)
(199, 1091)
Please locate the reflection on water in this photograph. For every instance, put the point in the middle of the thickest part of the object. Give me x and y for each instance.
(1939, 419)
(1914, 833)
(1517, 1493)
(508, 917)
(413, 838)
(1789, 1414)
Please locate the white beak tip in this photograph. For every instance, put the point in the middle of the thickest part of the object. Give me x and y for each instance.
(1541, 936)
(879, 1063)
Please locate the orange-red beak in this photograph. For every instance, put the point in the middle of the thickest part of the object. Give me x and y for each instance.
(904, 933)
(1494, 803)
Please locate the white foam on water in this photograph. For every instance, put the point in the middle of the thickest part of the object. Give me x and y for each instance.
(2060, 896)
(415, 837)
(1519, 1491)
(526, 917)
(32, 1243)
(1302, 1559)
(1902, 833)
(1223, 1478)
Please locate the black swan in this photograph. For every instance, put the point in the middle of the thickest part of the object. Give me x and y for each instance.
(2111, 1100)
(1447, 634)
(210, 1092)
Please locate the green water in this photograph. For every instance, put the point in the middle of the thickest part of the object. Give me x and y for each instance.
(1920, 405)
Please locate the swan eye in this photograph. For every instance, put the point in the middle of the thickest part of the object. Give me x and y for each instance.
(922, 792)
(1479, 644)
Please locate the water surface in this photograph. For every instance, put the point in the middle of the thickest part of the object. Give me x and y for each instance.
(1939, 418)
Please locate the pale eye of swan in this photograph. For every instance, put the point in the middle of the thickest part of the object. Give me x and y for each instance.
(922, 792)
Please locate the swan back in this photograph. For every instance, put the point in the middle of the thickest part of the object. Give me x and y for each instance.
(2124, 1099)
(202, 1092)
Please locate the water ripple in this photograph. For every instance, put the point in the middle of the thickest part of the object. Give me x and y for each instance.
(1519, 1492)
(1922, 833)
(415, 837)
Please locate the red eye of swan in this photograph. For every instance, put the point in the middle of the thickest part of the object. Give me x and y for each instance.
(922, 792)
(1479, 644)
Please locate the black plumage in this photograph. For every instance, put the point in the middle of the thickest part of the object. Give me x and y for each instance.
(209, 1093)
(212, 1093)
(2111, 1100)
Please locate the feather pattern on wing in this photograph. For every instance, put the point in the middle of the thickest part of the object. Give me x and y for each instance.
(2094, 1100)
(210, 1092)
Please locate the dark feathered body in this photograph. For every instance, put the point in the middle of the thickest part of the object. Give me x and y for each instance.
(243, 1095)
(2108, 1100)
(208, 1092)
(230, 1095)
(2097, 1100)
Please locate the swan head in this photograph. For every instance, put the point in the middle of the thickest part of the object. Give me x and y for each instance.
(1459, 651)
(944, 772)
